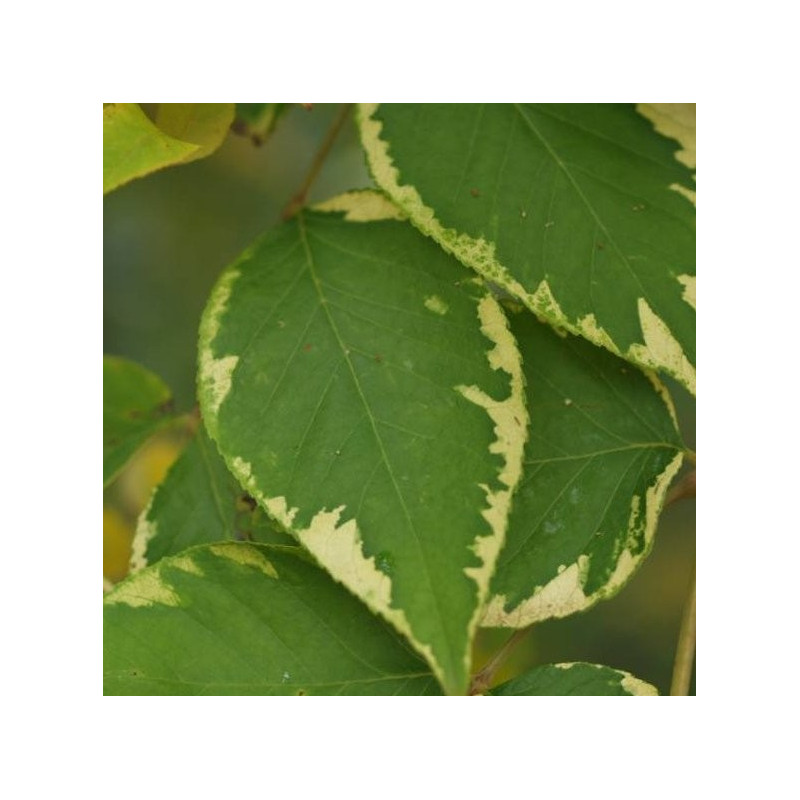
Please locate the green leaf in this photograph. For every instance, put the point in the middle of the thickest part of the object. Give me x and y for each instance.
(574, 679)
(133, 146)
(582, 211)
(199, 502)
(369, 396)
(258, 120)
(243, 619)
(136, 404)
(203, 124)
(603, 449)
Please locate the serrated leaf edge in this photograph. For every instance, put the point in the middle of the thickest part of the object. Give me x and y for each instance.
(214, 374)
(177, 149)
(339, 548)
(629, 683)
(361, 205)
(672, 120)
(146, 530)
(149, 587)
(510, 418)
(564, 595)
(480, 255)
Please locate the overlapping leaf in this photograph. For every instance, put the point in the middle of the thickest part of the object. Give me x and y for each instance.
(244, 619)
(203, 124)
(133, 146)
(199, 502)
(370, 398)
(602, 450)
(584, 212)
(136, 404)
(574, 679)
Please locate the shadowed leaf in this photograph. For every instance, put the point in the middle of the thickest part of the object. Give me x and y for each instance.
(602, 451)
(242, 619)
(573, 679)
(136, 404)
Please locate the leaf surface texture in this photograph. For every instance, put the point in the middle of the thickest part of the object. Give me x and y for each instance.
(368, 393)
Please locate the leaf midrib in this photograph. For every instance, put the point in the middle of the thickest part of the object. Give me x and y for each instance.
(585, 200)
(378, 439)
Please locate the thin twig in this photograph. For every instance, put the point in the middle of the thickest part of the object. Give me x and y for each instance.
(684, 653)
(299, 199)
(482, 680)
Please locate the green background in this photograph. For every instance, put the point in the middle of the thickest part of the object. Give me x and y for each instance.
(167, 237)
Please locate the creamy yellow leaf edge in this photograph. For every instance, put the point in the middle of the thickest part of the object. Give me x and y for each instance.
(631, 684)
(659, 350)
(338, 546)
(564, 595)
(151, 586)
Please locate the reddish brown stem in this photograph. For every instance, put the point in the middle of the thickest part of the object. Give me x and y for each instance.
(299, 198)
(686, 487)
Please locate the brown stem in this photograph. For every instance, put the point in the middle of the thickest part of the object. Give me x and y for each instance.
(482, 680)
(299, 199)
(684, 653)
(686, 487)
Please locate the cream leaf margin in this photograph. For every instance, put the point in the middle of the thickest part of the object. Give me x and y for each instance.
(149, 587)
(656, 352)
(564, 595)
(339, 547)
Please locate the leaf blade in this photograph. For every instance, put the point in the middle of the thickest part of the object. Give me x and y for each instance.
(246, 619)
(203, 124)
(573, 679)
(386, 400)
(577, 210)
(198, 502)
(603, 449)
(136, 405)
(134, 147)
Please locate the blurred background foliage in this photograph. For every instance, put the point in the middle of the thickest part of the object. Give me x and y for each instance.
(167, 237)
